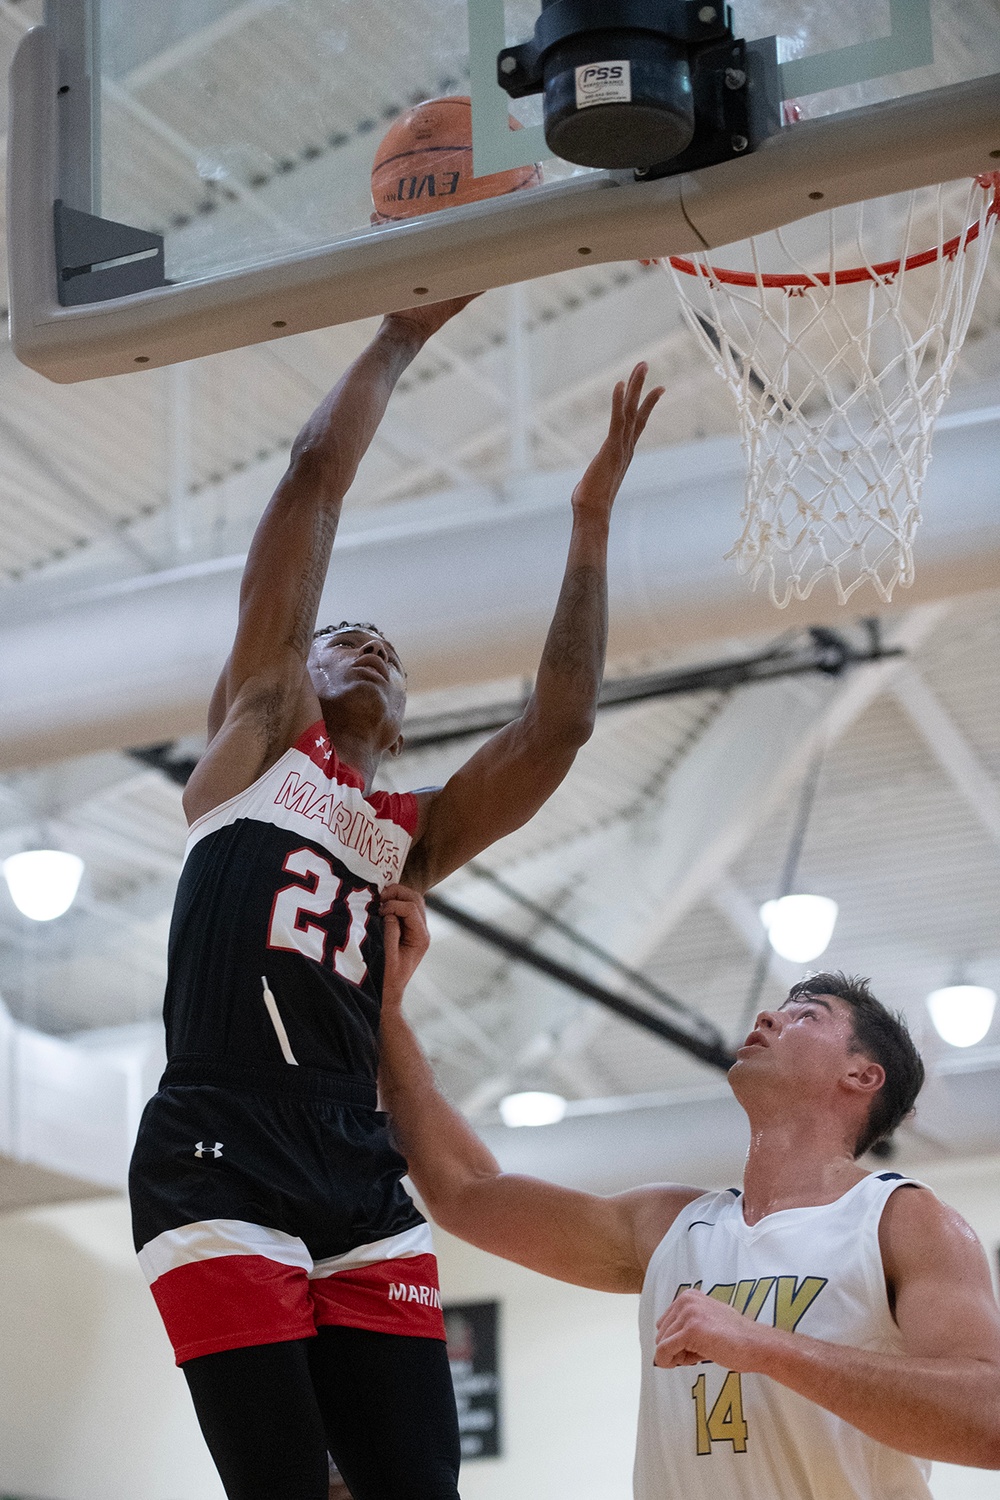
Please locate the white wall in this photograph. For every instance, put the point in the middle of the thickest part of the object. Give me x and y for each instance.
(92, 1407)
(73, 1106)
(569, 1363)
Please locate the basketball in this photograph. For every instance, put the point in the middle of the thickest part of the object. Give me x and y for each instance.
(424, 162)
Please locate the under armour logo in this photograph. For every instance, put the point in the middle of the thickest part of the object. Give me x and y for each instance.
(200, 1149)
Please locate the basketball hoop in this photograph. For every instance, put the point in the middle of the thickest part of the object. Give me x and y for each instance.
(839, 377)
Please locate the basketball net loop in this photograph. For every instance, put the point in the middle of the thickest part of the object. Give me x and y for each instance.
(839, 384)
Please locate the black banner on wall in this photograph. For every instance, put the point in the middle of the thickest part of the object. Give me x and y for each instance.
(473, 1356)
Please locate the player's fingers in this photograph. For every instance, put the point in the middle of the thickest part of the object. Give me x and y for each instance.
(638, 372)
(402, 897)
(671, 1352)
(676, 1319)
(650, 402)
(404, 910)
(675, 1361)
(411, 920)
(410, 923)
(643, 414)
(617, 405)
(633, 389)
(406, 892)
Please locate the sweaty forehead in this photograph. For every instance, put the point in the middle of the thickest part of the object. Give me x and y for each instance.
(827, 1002)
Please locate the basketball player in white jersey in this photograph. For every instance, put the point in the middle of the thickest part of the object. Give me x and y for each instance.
(822, 1334)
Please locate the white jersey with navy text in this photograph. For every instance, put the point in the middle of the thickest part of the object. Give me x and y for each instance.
(706, 1433)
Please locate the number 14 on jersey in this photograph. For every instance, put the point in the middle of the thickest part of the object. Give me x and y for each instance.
(725, 1422)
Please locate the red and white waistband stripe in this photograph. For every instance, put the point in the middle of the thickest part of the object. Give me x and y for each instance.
(225, 1284)
(209, 1239)
(411, 1243)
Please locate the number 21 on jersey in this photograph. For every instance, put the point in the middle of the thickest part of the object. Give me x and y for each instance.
(291, 930)
(725, 1422)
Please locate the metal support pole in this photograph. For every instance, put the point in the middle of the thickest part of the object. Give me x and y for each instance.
(178, 408)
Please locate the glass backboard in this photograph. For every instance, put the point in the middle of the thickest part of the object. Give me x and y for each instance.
(245, 129)
(244, 133)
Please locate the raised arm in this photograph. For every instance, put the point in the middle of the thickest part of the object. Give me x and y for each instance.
(264, 697)
(939, 1399)
(507, 780)
(604, 1243)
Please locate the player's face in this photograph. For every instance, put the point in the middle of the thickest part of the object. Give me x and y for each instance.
(806, 1044)
(362, 668)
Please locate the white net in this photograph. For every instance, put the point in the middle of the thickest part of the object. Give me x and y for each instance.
(840, 376)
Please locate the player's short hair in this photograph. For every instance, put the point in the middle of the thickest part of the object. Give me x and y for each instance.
(349, 625)
(882, 1035)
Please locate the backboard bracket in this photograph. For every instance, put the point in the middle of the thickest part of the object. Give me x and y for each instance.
(737, 105)
(97, 259)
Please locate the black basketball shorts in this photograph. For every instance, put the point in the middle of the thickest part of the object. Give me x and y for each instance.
(265, 1205)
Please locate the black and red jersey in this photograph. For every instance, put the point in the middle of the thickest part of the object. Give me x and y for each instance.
(276, 951)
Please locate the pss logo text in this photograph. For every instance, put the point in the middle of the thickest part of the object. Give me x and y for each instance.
(605, 73)
(604, 83)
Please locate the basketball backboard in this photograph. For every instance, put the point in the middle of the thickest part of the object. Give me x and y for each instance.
(243, 133)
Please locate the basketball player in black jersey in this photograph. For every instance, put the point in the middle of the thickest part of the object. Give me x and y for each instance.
(294, 1275)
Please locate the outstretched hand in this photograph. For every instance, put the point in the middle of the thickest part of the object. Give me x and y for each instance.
(426, 320)
(630, 412)
(406, 939)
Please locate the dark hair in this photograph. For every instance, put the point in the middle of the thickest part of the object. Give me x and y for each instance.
(348, 625)
(881, 1035)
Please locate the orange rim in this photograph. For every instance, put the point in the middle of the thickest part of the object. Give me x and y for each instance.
(885, 271)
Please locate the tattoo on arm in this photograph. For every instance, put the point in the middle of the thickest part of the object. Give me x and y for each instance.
(311, 581)
(575, 644)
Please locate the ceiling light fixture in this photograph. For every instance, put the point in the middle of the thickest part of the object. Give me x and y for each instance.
(799, 927)
(533, 1107)
(43, 882)
(962, 1013)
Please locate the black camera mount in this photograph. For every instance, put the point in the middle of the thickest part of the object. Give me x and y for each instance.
(661, 86)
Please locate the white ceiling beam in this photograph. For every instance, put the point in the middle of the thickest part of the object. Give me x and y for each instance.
(196, 43)
(625, 335)
(78, 501)
(423, 988)
(534, 1018)
(538, 1051)
(663, 861)
(466, 589)
(745, 766)
(939, 731)
(601, 897)
(744, 918)
(471, 370)
(56, 794)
